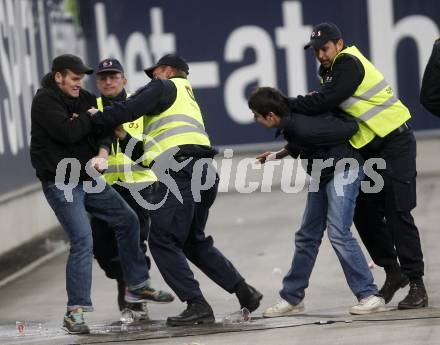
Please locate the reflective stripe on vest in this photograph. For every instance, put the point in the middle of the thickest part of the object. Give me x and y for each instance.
(120, 166)
(180, 124)
(374, 105)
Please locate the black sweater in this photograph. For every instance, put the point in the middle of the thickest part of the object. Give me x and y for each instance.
(56, 135)
(323, 137)
(430, 93)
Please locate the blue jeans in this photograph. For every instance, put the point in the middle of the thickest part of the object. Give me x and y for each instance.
(325, 209)
(108, 206)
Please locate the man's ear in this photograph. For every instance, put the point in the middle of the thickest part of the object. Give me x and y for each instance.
(272, 115)
(340, 44)
(58, 77)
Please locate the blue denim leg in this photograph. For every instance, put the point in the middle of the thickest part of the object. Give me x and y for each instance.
(75, 222)
(307, 241)
(110, 207)
(339, 220)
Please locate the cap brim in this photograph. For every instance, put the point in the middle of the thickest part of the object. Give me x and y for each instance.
(109, 70)
(149, 71)
(308, 45)
(85, 70)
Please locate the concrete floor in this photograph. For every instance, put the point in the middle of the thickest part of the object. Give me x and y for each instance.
(255, 231)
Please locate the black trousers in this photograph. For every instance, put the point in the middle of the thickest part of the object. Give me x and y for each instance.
(384, 219)
(105, 247)
(178, 234)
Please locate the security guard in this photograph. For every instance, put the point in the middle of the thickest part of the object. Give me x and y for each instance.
(430, 92)
(110, 81)
(179, 151)
(384, 221)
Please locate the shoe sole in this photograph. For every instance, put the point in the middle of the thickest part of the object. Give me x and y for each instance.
(365, 312)
(130, 300)
(205, 320)
(290, 313)
(419, 306)
(64, 328)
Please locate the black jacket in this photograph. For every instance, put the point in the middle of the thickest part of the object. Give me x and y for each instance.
(322, 137)
(56, 135)
(339, 84)
(430, 92)
(152, 99)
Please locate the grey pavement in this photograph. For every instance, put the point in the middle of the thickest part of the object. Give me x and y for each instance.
(255, 231)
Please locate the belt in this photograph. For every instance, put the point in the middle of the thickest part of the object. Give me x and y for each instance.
(403, 128)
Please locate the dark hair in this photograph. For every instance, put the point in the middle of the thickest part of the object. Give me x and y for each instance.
(63, 72)
(268, 99)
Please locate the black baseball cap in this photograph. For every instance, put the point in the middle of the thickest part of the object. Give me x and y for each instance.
(71, 62)
(169, 60)
(322, 33)
(110, 65)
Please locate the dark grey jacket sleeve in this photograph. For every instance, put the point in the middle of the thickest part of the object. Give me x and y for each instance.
(347, 74)
(430, 92)
(151, 99)
(322, 130)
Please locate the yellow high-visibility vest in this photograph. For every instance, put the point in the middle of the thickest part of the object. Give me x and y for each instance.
(374, 105)
(120, 166)
(180, 124)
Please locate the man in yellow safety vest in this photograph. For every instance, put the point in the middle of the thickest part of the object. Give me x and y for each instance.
(350, 82)
(178, 149)
(121, 171)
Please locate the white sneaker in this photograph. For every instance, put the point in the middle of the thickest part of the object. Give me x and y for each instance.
(368, 305)
(283, 308)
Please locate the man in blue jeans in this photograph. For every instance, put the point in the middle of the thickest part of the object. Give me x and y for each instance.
(331, 206)
(59, 134)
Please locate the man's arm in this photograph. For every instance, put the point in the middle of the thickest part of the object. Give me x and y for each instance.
(136, 146)
(430, 92)
(323, 130)
(270, 156)
(346, 76)
(149, 100)
(59, 125)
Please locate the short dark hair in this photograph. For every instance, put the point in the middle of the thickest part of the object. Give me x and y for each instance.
(268, 99)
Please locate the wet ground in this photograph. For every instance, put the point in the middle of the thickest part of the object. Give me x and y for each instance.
(255, 231)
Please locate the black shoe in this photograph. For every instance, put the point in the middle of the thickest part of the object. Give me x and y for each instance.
(198, 311)
(121, 295)
(248, 296)
(393, 282)
(417, 296)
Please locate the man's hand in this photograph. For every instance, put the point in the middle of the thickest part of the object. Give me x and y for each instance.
(120, 132)
(266, 156)
(99, 163)
(74, 116)
(92, 111)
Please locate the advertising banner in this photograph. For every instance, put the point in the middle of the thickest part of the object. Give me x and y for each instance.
(231, 47)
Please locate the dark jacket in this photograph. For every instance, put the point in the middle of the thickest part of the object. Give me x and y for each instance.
(339, 84)
(430, 92)
(152, 99)
(321, 137)
(56, 135)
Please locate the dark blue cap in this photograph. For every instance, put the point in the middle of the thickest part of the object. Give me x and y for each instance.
(110, 65)
(322, 33)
